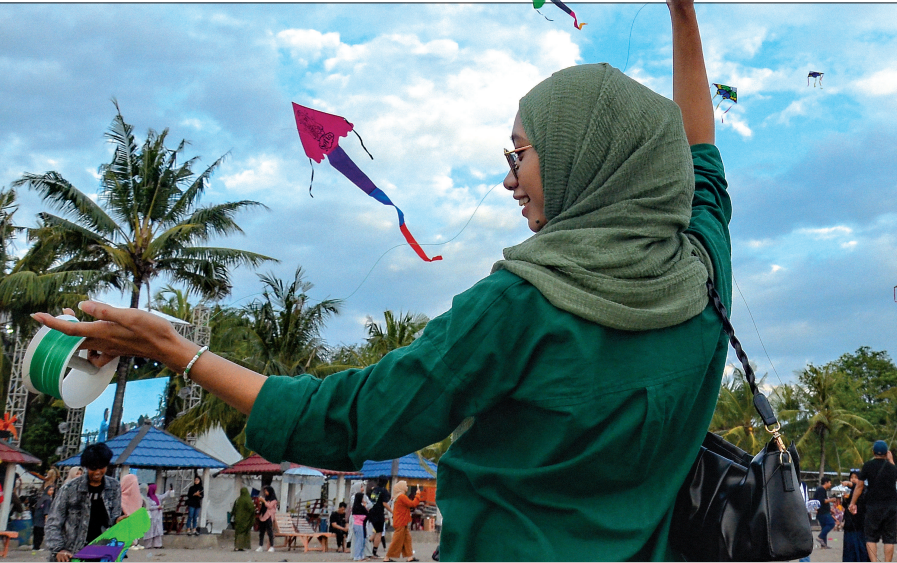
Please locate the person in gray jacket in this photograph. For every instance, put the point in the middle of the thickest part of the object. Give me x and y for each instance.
(84, 507)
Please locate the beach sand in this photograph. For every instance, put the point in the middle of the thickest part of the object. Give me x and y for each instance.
(423, 550)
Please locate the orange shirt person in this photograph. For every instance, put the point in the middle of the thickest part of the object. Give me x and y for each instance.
(401, 517)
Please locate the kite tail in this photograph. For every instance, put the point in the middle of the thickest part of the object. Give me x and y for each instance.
(312, 181)
(544, 16)
(378, 194)
(341, 161)
(564, 7)
(413, 243)
(718, 103)
(723, 118)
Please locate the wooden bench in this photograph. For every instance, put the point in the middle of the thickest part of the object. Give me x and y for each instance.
(6, 536)
(284, 528)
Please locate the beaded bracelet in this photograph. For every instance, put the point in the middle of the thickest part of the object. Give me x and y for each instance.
(186, 373)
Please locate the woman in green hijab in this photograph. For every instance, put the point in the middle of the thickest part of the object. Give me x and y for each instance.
(243, 515)
(589, 355)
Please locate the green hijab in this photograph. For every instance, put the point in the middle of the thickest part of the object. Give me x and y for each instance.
(618, 183)
(244, 508)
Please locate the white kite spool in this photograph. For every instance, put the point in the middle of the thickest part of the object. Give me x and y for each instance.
(54, 365)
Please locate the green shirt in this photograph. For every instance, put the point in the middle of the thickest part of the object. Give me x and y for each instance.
(582, 434)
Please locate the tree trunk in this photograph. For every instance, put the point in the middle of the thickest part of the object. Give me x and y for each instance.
(121, 377)
(821, 456)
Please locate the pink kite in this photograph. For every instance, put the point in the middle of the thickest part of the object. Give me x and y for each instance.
(320, 133)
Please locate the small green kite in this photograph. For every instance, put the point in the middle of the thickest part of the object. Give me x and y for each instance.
(725, 93)
(113, 544)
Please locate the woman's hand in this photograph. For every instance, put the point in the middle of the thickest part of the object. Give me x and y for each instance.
(124, 332)
(130, 332)
(679, 4)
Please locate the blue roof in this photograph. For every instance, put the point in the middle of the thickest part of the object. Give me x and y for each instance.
(147, 446)
(409, 468)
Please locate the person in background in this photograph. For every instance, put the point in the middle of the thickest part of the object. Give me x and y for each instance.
(359, 487)
(104, 427)
(854, 536)
(377, 514)
(73, 473)
(243, 517)
(84, 506)
(153, 537)
(359, 518)
(131, 499)
(401, 537)
(881, 500)
(39, 515)
(838, 514)
(339, 527)
(194, 504)
(266, 519)
(52, 478)
(824, 514)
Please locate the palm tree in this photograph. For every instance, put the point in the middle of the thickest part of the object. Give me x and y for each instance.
(824, 413)
(282, 333)
(399, 331)
(735, 417)
(278, 334)
(150, 224)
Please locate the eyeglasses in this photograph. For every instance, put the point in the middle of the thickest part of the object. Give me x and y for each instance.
(512, 158)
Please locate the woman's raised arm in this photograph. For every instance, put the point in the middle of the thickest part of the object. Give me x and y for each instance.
(691, 89)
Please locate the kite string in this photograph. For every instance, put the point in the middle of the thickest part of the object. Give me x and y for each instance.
(424, 243)
(371, 270)
(757, 330)
(630, 37)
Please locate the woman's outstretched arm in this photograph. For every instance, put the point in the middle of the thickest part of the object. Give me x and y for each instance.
(130, 332)
(691, 89)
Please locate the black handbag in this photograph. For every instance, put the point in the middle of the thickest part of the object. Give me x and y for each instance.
(738, 507)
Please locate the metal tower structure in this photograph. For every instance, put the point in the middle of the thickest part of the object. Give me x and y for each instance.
(17, 397)
(71, 443)
(201, 334)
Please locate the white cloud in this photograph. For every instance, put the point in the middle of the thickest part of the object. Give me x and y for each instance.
(826, 233)
(882, 83)
(307, 45)
(735, 122)
(759, 243)
(254, 175)
(794, 109)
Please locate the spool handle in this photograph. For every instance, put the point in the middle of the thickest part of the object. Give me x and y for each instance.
(80, 364)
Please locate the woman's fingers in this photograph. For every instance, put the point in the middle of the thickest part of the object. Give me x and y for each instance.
(63, 326)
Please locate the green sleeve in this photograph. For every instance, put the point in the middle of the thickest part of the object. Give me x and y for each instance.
(710, 215)
(413, 397)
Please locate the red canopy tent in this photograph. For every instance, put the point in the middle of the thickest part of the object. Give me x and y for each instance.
(11, 456)
(257, 465)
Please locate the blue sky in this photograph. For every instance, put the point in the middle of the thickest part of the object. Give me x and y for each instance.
(433, 89)
(141, 398)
